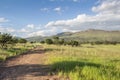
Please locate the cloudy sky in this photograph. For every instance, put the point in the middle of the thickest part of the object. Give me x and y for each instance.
(26, 18)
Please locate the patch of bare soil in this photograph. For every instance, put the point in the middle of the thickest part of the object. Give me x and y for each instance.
(28, 66)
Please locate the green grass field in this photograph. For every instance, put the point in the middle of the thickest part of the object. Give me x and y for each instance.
(15, 50)
(88, 62)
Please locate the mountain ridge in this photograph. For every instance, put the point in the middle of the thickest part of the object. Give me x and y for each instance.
(87, 35)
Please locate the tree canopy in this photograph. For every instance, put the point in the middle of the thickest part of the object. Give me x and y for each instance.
(7, 39)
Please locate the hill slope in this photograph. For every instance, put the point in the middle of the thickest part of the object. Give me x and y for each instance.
(88, 35)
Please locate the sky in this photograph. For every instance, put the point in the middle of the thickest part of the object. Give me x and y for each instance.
(27, 18)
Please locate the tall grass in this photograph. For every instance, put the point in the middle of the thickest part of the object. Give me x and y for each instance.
(15, 50)
(88, 62)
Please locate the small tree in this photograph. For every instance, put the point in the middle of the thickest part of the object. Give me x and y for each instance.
(22, 40)
(56, 40)
(32, 42)
(13, 42)
(74, 43)
(42, 42)
(48, 41)
(62, 41)
(5, 39)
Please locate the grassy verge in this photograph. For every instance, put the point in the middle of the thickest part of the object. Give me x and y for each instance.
(88, 62)
(16, 50)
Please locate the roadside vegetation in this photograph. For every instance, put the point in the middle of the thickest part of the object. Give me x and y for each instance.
(86, 62)
(12, 46)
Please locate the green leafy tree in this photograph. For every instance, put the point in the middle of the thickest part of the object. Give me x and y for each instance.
(48, 41)
(74, 43)
(42, 42)
(32, 42)
(62, 41)
(22, 40)
(5, 39)
(56, 40)
(14, 40)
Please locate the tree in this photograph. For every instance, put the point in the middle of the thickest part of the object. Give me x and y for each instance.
(48, 41)
(14, 40)
(74, 43)
(5, 39)
(42, 42)
(62, 41)
(32, 42)
(22, 40)
(56, 40)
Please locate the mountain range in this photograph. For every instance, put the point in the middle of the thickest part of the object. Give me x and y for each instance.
(90, 35)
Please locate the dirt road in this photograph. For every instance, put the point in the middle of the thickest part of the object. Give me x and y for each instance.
(28, 66)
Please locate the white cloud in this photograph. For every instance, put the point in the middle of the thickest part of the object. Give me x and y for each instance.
(44, 9)
(31, 26)
(68, 30)
(27, 29)
(108, 6)
(75, 0)
(38, 33)
(57, 9)
(23, 30)
(3, 20)
(108, 17)
(83, 21)
(44, 32)
(6, 29)
(11, 30)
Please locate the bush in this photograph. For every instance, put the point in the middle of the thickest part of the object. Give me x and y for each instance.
(48, 41)
(42, 42)
(5, 39)
(56, 40)
(22, 40)
(74, 43)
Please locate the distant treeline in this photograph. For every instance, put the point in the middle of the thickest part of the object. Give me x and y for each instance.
(57, 41)
(103, 42)
(7, 40)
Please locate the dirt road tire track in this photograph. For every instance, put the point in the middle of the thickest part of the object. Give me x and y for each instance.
(28, 66)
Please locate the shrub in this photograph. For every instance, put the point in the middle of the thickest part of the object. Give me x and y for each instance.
(42, 42)
(48, 41)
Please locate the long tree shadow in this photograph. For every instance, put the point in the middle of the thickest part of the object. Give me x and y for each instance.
(73, 66)
(13, 72)
(68, 66)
